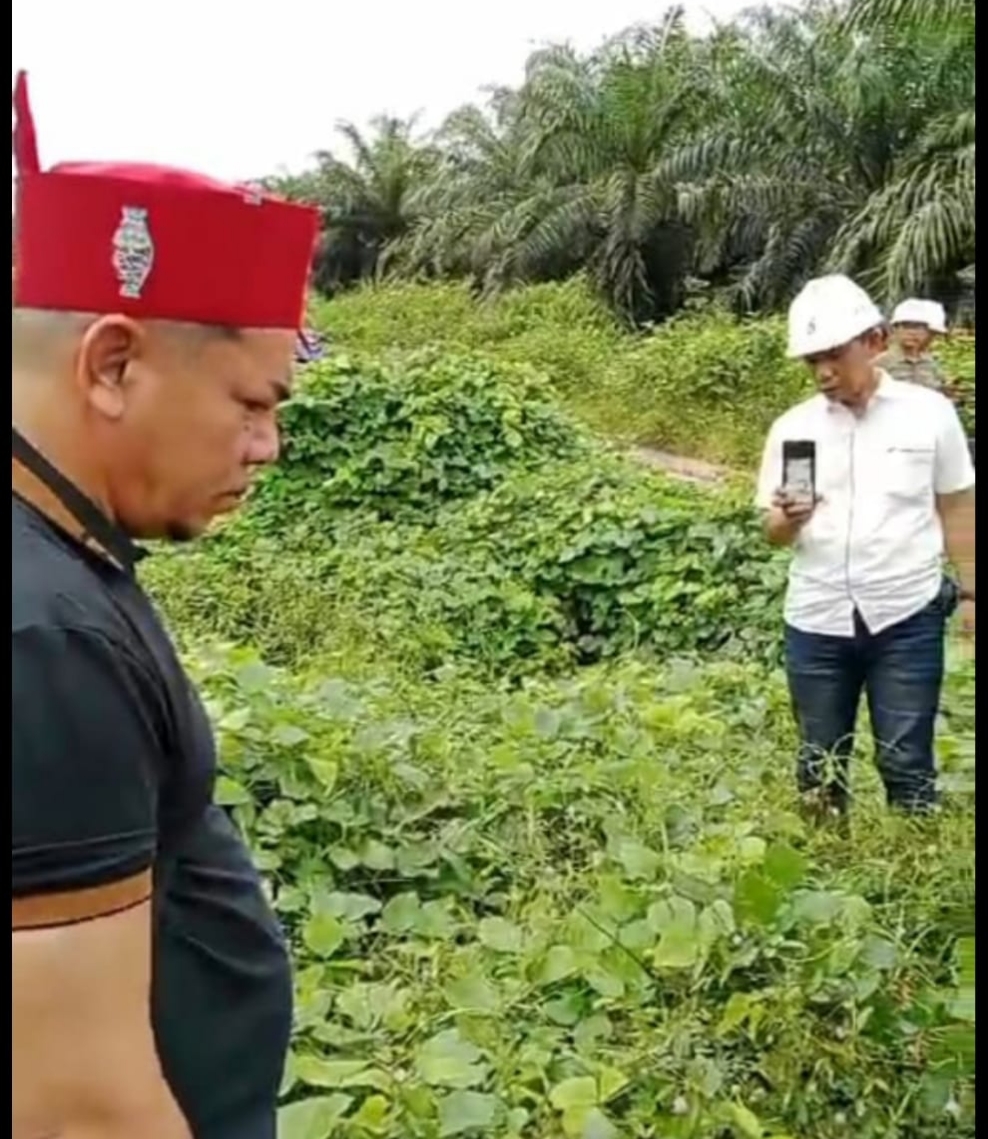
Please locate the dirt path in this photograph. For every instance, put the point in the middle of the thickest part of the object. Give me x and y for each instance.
(689, 470)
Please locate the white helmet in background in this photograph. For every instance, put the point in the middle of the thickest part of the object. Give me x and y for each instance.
(916, 311)
(828, 313)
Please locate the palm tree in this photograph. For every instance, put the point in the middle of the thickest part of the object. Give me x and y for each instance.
(464, 212)
(824, 119)
(604, 132)
(573, 171)
(920, 225)
(366, 198)
(836, 134)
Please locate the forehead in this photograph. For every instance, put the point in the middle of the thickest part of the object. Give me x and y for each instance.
(841, 352)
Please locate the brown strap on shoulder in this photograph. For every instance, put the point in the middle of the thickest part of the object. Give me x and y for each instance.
(45, 911)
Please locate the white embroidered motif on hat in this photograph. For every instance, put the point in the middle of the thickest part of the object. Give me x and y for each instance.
(133, 251)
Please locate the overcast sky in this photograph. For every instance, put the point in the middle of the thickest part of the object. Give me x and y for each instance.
(207, 85)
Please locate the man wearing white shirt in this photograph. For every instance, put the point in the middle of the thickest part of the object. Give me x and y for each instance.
(868, 599)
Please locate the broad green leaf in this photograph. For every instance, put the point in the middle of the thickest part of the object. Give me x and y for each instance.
(676, 923)
(575, 1092)
(435, 920)
(591, 1031)
(323, 934)
(472, 993)
(547, 722)
(350, 907)
(746, 1122)
(817, 907)
(372, 1114)
(598, 1126)
(638, 860)
(609, 1083)
(321, 1073)
(343, 858)
(879, 952)
(289, 734)
(567, 1009)
(312, 1118)
(230, 793)
(587, 1123)
(367, 1004)
(751, 850)
(235, 721)
(785, 866)
(501, 935)
(462, 1111)
(401, 913)
(756, 898)
(448, 1060)
(605, 981)
(618, 899)
(738, 1009)
(716, 921)
(559, 962)
(377, 856)
(325, 771)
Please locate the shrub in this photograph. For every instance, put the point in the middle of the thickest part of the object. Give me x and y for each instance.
(443, 503)
(394, 438)
(628, 558)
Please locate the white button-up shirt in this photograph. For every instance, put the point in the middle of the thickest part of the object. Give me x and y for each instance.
(874, 543)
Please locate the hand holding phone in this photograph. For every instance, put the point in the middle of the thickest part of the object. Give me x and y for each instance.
(797, 497)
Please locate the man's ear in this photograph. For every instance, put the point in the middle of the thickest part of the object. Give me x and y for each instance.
(876, 341)
(108, 348)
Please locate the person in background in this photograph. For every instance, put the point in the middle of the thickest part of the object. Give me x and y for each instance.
(868, 599)
(154, 321)
(310, 346)
(915, 326)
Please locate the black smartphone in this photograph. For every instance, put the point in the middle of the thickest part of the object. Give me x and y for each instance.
(799, 468)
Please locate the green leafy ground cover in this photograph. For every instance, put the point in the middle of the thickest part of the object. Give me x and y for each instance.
(501, 715)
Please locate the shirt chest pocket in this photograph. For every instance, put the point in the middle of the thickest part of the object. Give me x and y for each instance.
(908, 472)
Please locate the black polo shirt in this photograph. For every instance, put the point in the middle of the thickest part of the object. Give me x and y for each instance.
(112, 773)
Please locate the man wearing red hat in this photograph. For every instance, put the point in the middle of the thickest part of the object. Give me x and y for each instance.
(154, 324)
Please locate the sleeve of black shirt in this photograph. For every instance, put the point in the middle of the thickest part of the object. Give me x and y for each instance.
(86, 761)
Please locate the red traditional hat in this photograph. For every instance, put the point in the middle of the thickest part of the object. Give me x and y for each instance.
(155, 243)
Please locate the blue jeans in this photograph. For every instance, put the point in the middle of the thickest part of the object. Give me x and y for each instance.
(900, 670)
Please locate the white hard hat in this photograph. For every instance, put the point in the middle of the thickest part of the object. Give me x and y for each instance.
(916, 311)
(828, 313)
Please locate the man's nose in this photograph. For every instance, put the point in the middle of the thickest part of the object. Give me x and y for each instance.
(265, 443)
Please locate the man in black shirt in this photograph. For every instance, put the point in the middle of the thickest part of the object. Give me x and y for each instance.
(154, 323)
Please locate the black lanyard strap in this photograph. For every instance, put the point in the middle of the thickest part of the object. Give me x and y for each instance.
(94, 523)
